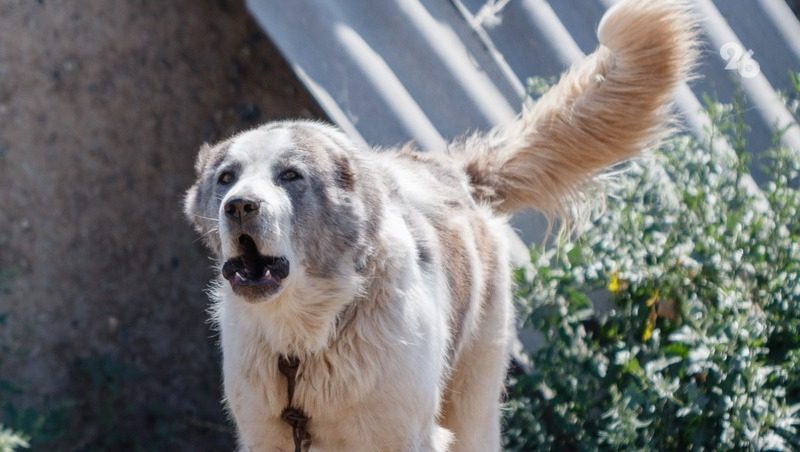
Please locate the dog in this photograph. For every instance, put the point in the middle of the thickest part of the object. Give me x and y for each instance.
(364, 298)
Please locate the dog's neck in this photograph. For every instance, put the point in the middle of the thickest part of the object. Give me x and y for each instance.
(302, 320)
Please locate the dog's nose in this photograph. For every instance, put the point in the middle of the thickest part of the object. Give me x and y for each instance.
(241, 208)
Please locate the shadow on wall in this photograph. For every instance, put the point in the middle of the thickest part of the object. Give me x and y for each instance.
(795, 5)
(104, 343)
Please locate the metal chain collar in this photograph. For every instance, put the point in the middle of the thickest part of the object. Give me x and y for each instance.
(295, 417)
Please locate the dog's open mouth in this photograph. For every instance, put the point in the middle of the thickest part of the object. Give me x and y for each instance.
(252, 274)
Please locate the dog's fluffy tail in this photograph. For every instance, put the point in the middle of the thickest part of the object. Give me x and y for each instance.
(607, 108)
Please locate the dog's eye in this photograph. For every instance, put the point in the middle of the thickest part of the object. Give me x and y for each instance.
(289, 175)
(225, 178)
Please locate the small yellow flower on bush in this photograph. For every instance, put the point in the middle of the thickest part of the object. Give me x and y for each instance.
(615, 286)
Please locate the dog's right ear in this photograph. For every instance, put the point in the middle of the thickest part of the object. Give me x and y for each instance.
(198, 203)
(202, 159)
(192, 205)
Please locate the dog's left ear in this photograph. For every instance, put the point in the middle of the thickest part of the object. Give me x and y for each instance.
(345, 178)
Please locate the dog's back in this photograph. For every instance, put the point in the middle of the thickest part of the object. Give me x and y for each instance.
(604, 110)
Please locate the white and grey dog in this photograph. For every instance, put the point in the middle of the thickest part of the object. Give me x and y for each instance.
(381, 280)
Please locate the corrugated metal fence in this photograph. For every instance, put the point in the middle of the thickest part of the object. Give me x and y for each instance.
(390, 71)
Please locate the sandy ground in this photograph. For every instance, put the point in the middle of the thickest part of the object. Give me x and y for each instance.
(103, 104)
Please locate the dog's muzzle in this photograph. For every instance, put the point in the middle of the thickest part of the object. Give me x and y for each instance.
(252, 274)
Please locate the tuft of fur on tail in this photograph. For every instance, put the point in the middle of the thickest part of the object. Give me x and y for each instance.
(605, 109)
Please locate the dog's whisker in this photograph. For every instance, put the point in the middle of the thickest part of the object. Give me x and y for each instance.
(202, 217)
(206, 234)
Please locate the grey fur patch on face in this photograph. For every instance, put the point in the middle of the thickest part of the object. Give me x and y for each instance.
(332, 221)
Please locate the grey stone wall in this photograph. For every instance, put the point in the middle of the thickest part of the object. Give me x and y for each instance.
(103, 105)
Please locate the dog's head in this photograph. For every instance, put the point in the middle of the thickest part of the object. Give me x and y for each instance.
(279, 207)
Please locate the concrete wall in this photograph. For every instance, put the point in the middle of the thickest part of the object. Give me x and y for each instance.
(103, 105)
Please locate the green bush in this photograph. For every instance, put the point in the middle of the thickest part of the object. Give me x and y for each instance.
(11, 441)
(672, 323)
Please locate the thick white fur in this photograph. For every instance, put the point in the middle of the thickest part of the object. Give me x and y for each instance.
(382, 365)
